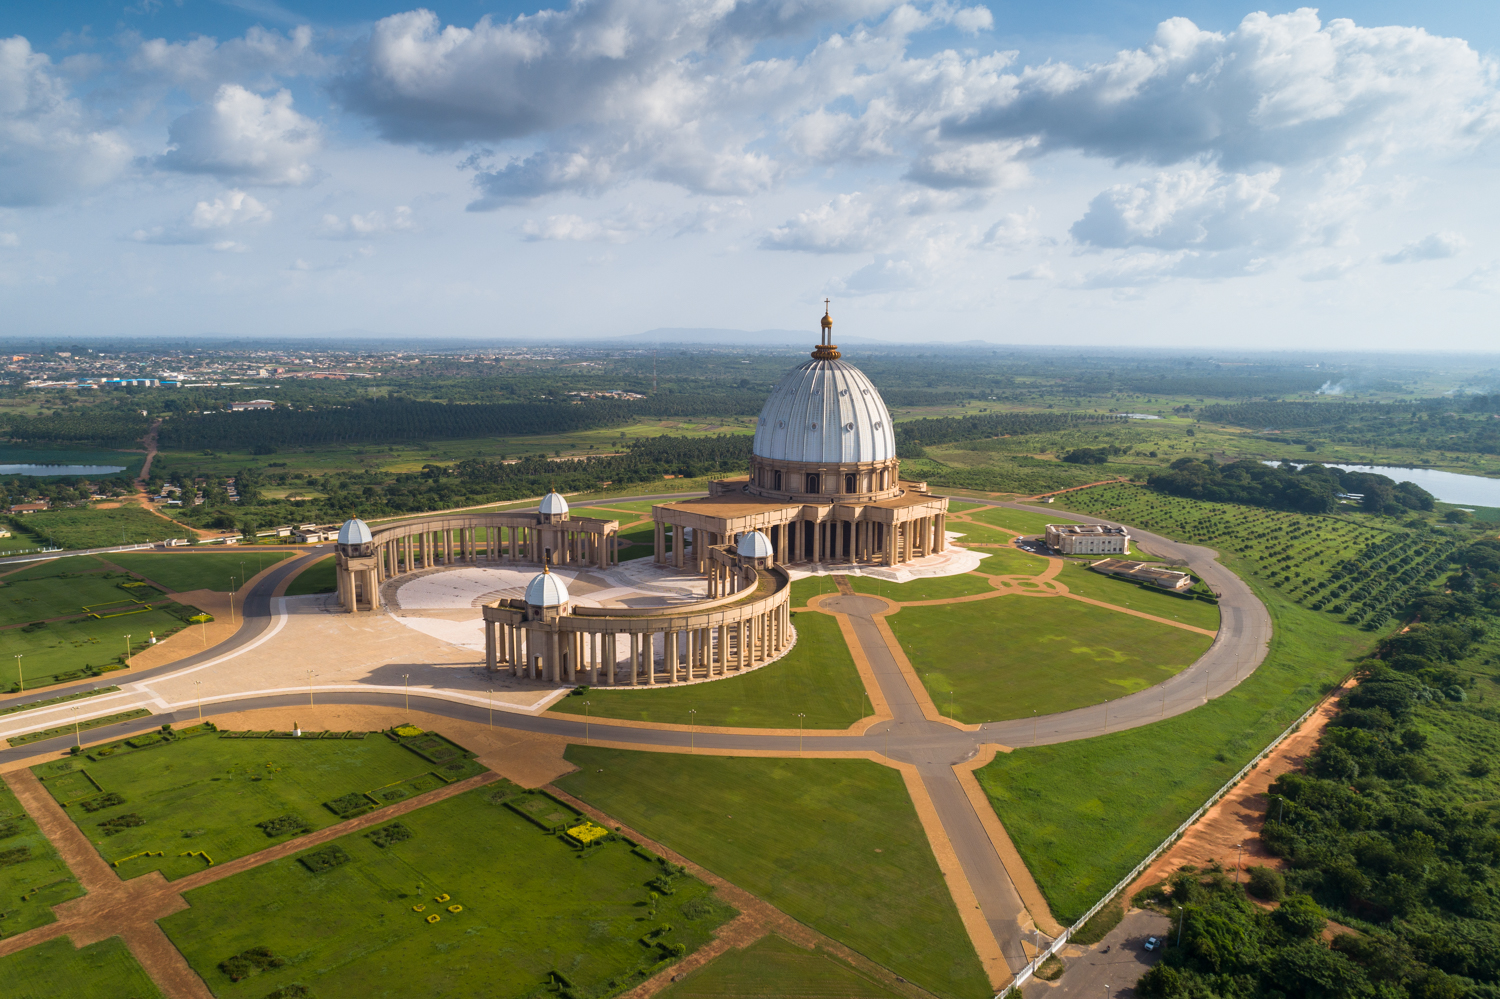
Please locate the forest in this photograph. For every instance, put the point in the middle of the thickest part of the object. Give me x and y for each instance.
(1390, 836)
(1308, 489)
(1465, 425)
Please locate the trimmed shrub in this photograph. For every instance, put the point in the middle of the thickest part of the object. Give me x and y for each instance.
(283, 824)
(120, 823)
(388, 835)
(326, 859)
(18, 855)
(104, 801)
(349, 805)
(293, 991)
(9, 828)
(247, 963)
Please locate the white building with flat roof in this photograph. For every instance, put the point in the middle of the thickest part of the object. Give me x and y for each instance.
(1088, 539)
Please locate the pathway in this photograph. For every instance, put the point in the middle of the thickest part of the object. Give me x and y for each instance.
(931, 751)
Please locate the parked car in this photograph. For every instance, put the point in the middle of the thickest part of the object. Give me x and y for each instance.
(1154, 943)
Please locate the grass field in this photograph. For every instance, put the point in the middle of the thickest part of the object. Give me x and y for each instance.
(807, 587)
(772, 966)
(531, 905)
(61, 648)
(43, 597)
(208, 793)
(91, 528)
(817, 678)
(184, 571)
(22, 906)
(1096, 586)
(834, 843)
(927, 588)
(1009, 656)
(1011, 562)
(1021, 520)
(320, 577)
(103, 970)
(978, 534)
(1063, 804)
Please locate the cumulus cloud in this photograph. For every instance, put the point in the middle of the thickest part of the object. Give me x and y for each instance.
(214, 223)
(1484, 279)
(1276, 90)
(982, 165)
(850, 223)
(1437, 246)
(50, 150)
(1037, 272)
(1198, 208)
(202, 64)
(364, 226)
(243, 136)
(1014, 232)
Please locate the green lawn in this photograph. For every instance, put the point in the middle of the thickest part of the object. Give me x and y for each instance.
(56, 567)
(930, 588)
(1010, 656)
(598, 514)
(1083, 813)
(531, 906)
(320, 577)
(1021, 520)
(37, 599)
(807, 587)
(193, 570)
(978, 534)
(91, 528)
(41, 868)
(208, 793)
(1096, 586)
(817, 678)
(834, 843)
(59, 651)
(1011, 562)
(955, 506)
(103, 970)
(772, 966)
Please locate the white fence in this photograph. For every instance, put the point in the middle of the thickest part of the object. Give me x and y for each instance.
(1024, 975)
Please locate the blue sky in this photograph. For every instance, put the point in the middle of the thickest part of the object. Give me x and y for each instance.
(1195, 174)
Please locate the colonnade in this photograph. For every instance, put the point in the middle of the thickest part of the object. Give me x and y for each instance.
(615, 651)
(828, 539)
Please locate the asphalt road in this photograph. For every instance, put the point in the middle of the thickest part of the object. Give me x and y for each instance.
(932, 747)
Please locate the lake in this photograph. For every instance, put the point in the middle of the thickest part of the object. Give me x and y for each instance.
(60, 469)
(1450, 487)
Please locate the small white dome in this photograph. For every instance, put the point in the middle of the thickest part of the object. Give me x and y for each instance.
(546, 590)
(754, 545)
(553, 503)
(354, 532)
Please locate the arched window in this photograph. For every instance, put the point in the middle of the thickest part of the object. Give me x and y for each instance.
(849, 486)
(812, 482)
(778, 482)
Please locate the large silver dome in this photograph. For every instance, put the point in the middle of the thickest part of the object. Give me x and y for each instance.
(825, 411)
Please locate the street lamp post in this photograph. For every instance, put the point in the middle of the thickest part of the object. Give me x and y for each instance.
(76, 738)
(693, 731)
(492, 707)
(20, 676)
(586, 722)
(310, 675)
(406, 686)
(950, 705)
(198, 690)
(1182, 918)
(1033, 726)
(127, 651)
(231, 601)
(800, 716)
(1238, 854)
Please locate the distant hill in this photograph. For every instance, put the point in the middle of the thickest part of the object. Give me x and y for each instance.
(726, 338)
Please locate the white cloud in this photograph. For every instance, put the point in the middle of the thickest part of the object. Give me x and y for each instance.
(243, 136)
(1485, 279)
(202, 64)
(849, 223)
(622, 227)
(210, 223)
(1330, 272)
(1281, 90)
(10, 239)
(1015, 232)
(981, 165)
(372, 223)
(1199, 208)
(1437, 246)
(49, 149)
(1038, 272)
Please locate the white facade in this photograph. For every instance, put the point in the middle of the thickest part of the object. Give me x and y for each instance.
(1088, 539)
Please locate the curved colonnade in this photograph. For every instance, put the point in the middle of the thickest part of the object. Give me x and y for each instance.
(744, 623)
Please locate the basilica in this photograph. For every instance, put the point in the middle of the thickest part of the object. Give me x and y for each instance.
(824, 483)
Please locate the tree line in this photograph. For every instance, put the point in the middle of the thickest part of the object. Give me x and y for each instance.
(914, 436)
(1309, 489)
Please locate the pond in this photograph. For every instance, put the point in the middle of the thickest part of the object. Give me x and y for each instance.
(60, 469)
(1450, 487)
